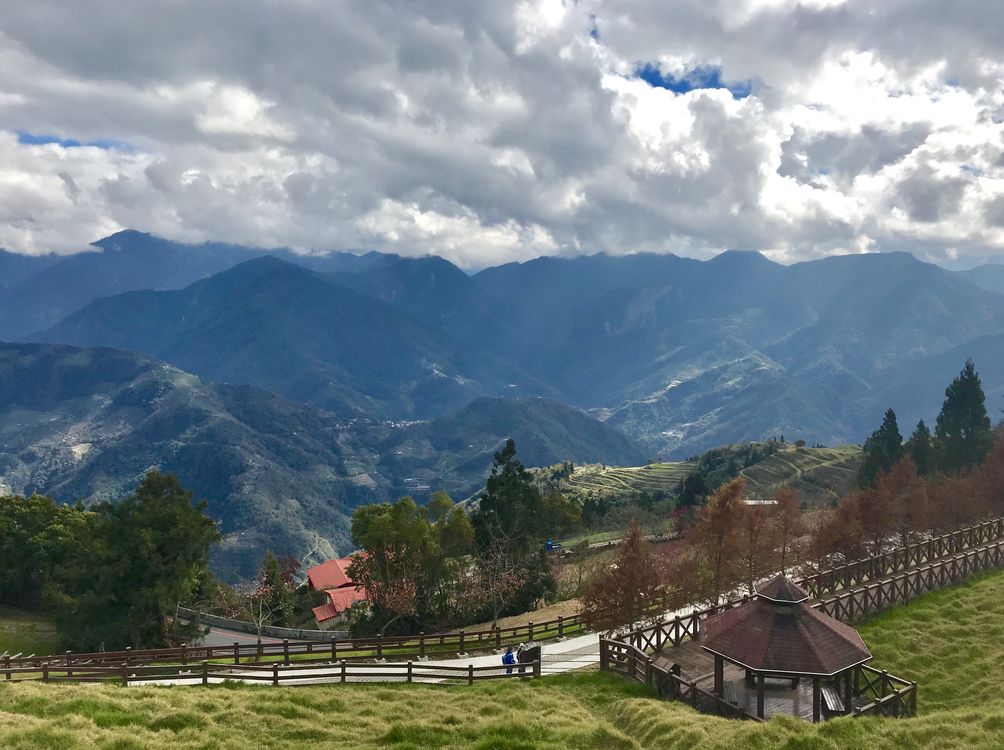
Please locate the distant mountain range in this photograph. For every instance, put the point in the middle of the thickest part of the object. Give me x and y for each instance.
(425, 368)
(680, 354)
(88, 423)
(273, 324)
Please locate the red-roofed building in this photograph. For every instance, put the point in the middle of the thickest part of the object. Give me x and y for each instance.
(333, 579)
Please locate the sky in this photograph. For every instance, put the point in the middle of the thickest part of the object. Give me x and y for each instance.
(494, 131)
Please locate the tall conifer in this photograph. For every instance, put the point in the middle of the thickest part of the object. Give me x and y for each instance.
(963, 435)
(882, 450)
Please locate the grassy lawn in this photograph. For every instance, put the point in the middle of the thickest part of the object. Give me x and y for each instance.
(26, 632)
(948, 641)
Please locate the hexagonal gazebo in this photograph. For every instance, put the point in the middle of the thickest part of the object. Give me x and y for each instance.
(777, 635)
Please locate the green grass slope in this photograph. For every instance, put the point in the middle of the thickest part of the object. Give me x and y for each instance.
(819, 475)
(948, 641)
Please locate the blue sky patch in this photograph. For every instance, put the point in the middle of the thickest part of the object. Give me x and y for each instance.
(36, 139)
(704, 77)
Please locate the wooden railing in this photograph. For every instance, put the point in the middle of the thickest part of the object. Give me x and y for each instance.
(634, 664)
(305, 652)
(902, 558)
(205, 672)
(889, 695)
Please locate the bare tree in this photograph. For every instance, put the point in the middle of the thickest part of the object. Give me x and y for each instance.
(788, 523)
(629, 589)
(715, 540)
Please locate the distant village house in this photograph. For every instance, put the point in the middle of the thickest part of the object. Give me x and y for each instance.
(333, 579)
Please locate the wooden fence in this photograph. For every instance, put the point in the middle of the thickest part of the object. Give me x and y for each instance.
(902, 558)
(305, 652)
(205, 672)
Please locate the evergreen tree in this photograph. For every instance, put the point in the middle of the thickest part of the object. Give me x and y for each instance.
(693, 490)
(510, 524)
(147, 554)
(921, 449)
(963, 435)
(881, 450)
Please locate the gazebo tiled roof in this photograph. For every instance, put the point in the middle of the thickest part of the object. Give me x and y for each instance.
(778, 633)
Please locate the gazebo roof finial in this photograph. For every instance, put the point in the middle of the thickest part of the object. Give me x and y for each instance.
(782, 590)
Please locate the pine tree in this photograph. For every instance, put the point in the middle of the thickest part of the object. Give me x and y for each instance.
(881, 450)
(963, 435)
(921, 449)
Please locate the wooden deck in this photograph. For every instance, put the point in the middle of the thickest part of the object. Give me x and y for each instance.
(698, 665)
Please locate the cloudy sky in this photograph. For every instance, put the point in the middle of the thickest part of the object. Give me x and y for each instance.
(493, 130)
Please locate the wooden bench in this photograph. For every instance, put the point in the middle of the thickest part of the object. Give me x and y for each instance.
(832, 700)
(729, 693)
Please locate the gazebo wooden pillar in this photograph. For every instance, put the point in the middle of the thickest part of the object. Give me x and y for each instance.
(777, 634)
(759, 695)
(816, 688)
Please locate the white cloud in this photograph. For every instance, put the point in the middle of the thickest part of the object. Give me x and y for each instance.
(494, 131)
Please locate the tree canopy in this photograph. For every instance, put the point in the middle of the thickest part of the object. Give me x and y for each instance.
(111, 572)
(882, 450)
(963, 434)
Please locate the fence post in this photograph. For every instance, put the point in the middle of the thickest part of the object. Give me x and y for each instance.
(6, 666)
(125, 676)
(69, 672)
(275, 674)
(45, 671)
(128, 655)
(470, 674)
(285, 651)
(421, 645)
(536, 668)
(604, 655)
(461, 646)
(343, 671)
(237, 652)
(409, 671)
(379, 640)
(529, 635)
(561, 627)
(498, 635)
(184, 653)
(205, 672)
(334, 650)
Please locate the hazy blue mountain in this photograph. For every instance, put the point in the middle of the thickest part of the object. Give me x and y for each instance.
(432, 290)
(276, 325)
(681, 354)
(916, 388)
(125, 261)
(989, 277)
(15, 268)
(88, 423)
(689, 355)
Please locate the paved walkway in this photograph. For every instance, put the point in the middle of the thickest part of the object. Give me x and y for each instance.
(557, 657)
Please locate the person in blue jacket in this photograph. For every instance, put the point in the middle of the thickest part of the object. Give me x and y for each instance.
(509, 659)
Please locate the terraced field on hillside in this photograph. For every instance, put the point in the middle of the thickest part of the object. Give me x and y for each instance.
(622, 481)
(819, 475)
